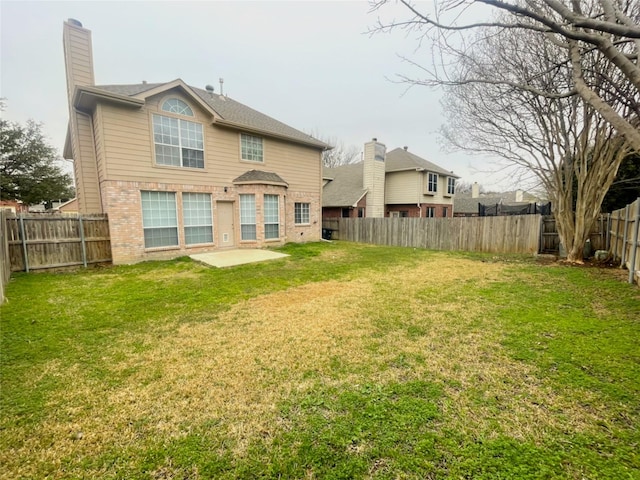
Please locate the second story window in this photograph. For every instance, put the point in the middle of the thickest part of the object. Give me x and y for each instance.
(251, 148)
(178, 142)
(432, 183)
(451, 185)
(175, 105)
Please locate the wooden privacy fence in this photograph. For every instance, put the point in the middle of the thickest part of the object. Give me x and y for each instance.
(37, 242)
(508, 234)
(5, 265)
(625, 229)
(550, 239)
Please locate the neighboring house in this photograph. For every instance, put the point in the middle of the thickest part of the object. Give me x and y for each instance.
(181, 170)
(70, 206)
(469, 204)
(13, 206)
(388, 184)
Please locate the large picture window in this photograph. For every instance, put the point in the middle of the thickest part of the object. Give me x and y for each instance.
(198, 221)
(251, 148)
(301, 213)
(178, 142)
(271, 217)
(248, 217)
(159, 219)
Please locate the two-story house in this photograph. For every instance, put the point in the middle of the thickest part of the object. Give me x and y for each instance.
(183, 170)
(388, 184)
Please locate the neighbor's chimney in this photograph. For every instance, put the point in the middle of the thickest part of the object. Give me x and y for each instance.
(373, 173)
(519, 195)
(475, 190)
(78, 56)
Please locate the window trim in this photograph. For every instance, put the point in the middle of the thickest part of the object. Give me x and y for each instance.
(242, 223)
(301, 215)
(168, 99)
(264, 219)
(179, 146)
(431, 210)
(245, 134)
(451, 186)
(432, 178)
(184, 221)
(177, 224)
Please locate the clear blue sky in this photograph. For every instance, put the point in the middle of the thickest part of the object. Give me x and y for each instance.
(308, 64)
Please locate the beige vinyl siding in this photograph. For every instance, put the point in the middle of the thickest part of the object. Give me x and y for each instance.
(129, 151)
(403, 187)
(439, 196)
(85, 157)
(77, 45)
(99, 143)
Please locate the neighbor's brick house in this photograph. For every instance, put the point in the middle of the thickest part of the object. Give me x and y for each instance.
(182, 170)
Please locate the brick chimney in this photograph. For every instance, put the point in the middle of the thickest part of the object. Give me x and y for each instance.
(519, 196)
(374, 177)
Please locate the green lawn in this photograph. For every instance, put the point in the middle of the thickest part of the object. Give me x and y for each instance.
(340, 361)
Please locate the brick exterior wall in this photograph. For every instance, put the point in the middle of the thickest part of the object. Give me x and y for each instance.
(122, 202)
(415, 211)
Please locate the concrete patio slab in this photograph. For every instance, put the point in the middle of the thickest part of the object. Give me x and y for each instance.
(229, 258)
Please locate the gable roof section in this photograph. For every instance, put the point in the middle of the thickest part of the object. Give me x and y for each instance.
(399, 160)
(345, 189)
(253, 177)
(226, 111)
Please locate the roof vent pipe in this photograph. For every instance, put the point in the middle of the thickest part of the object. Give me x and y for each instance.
(221, 80)
(406, 148)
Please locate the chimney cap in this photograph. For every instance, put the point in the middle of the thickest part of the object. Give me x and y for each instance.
(75, 22)
(374, 139)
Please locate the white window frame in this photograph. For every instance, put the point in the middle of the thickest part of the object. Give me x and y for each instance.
(248, 217)
(165, 218)
(271, 217)
(197, 215)
(249, 151)
(432, 182)
(431, 212)
(302, 213)
(188, 136)
(451, 186)
(175, 105)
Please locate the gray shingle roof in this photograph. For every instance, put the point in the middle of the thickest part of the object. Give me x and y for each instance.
(258, 176)
(346, 187)
(229, 110)
(401, 159)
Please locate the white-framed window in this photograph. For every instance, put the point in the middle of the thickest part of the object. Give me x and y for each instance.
(445, 212)
(432, 182)
(271, 217)
(431, 212)
(395, 214)
(248, 217)
(251, 148)
(159, 219)
(198, 220)
(175, 105)
(451, 185)
(178, 143)
(301, 213)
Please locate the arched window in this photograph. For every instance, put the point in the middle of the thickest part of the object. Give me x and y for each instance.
(175, 105)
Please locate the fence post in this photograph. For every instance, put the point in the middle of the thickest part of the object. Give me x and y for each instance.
(623, 255)
(24, 243)
(82, 242)
(634, 243)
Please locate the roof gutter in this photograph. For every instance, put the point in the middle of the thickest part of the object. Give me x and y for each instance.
(85, 98)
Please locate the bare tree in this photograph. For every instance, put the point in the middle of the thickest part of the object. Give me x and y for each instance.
(577, 27)
(340, 154)
(562, 140)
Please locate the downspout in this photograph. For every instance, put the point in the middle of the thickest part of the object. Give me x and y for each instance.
(419, 189)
